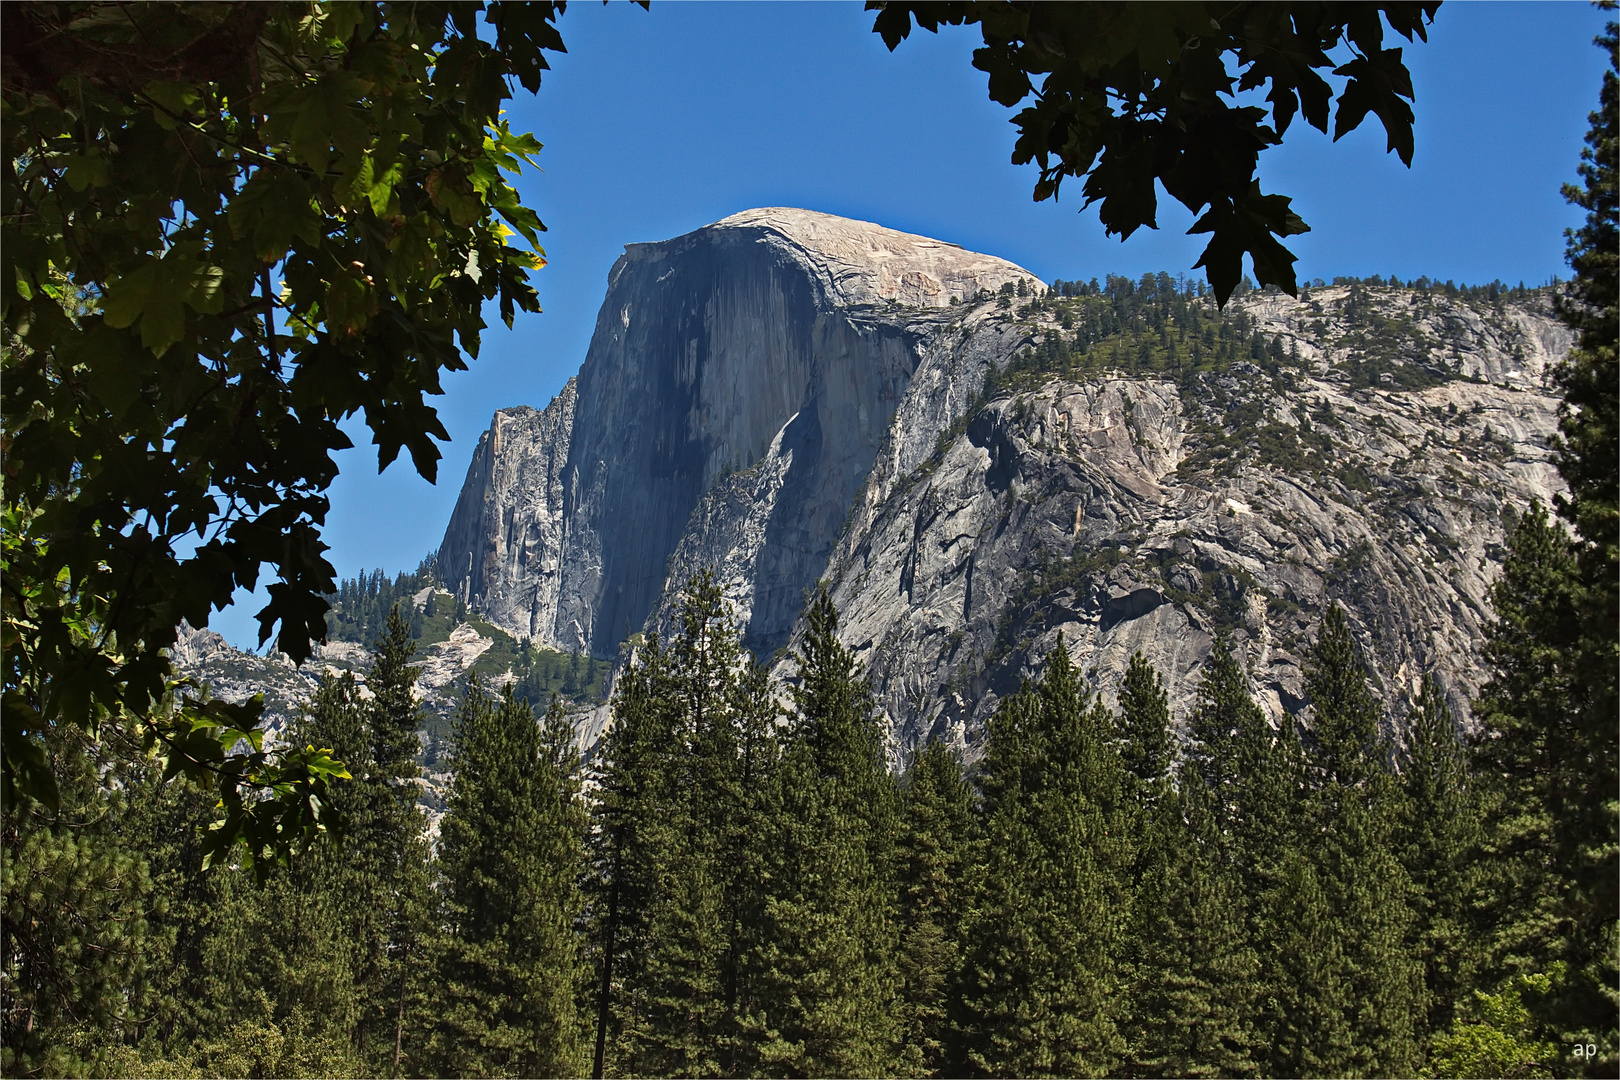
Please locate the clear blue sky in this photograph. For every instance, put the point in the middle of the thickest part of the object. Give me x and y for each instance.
(659, 122)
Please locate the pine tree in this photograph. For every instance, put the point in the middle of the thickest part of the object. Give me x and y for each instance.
(1196, 975)
(1251, 781)
(934, 865)
(682, 832)
(709, 663)
(572, 684)
(1306, 1027)
(1041, 985)
(1342, 745)
(165, 824)
(76, 938)
(631, 808)
(1228, 732)
(1522, 752)
(300, 939)
(830, 981)
(1250, 771)
(511, 852)
(673, 1002)
(1145, 748)
(335, 934)
(1350, 990)
(279, 957)
(748, 831)
(1589, 418)
(1191, 972)
(1439, 841)
(1147, 744)
(393, 852)
(1549, 750)
(1539, 765)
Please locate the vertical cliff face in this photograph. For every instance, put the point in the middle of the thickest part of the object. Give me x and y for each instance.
(770, 335)
(503, 546)
(787, 397)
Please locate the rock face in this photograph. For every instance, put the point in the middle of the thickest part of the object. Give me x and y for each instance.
(1090, 509)
(1062, 514)
(288, 688)
(787, 398)
(761, 338)
(506, 530)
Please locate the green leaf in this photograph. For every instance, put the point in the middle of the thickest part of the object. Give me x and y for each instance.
(27, 771)
(893, 22)
(86, 171)
(382, 188)
(155, 291)
(1251, 226)
(117, 369)
(129, 295)
(1123, 180)
(1377, 84)
(175, 97)
(324, 123)
(525, 221)
(273, 209)
(449, 190)
(511, 152)
(1008, 83)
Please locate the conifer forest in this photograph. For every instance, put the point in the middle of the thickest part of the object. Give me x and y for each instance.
(739, 885)
(741, 870)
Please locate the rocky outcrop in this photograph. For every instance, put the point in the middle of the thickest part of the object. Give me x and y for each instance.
(505, 534)
(444, 662)
(288, 688)
(229, 673)
(1061, 513)
(788, 398)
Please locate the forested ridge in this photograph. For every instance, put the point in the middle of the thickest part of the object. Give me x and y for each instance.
(1163, 326)
(1371, 332)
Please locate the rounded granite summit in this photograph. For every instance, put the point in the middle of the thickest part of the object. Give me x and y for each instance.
(859, 262)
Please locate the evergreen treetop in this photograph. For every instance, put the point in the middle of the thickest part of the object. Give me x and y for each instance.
(1343, 741)
(1196, 975)
(1147, 745)
(1041, 981)
(830, 983)
(935, 870)
(511, 854)
(1439, 839)
(1243, 762)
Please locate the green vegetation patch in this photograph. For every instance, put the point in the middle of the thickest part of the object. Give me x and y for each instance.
(360, 609)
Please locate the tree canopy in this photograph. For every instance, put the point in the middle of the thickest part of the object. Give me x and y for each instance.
(1130, 96)
(229, 227)
(1545, 750)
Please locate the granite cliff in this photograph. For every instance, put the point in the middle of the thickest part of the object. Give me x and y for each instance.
(769, 335)
(975, 466)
